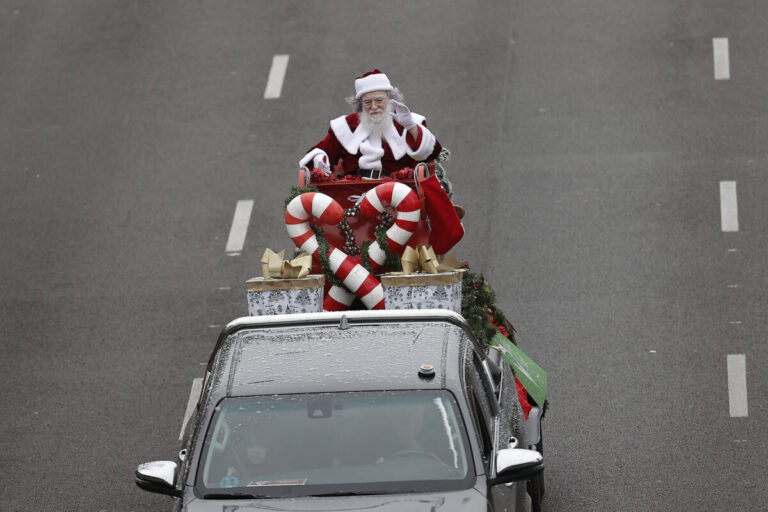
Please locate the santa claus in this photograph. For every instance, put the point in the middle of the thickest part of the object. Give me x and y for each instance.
(382, 135)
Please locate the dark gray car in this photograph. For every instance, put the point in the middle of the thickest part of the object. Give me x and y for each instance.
(392, 410)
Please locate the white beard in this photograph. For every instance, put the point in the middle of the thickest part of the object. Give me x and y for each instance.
(377, 124)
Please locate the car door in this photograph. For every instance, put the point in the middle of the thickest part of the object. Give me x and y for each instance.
(505, 390)
(493, 411)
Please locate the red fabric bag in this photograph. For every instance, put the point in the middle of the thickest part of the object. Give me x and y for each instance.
(445, 226)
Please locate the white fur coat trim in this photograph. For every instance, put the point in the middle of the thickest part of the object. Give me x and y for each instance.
(311, 155)
(370, 146)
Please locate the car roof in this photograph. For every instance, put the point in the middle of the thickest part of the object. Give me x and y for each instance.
(333, 352)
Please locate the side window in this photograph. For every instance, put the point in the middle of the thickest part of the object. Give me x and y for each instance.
(471, 383)
(483, 407)
(496, 367)
(485, 389)
(486, 444)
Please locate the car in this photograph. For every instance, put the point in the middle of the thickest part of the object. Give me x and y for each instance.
(358, 410)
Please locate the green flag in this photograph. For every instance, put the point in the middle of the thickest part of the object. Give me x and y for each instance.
(531, 375)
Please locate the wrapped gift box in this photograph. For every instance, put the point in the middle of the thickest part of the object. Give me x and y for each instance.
(281, 296)
(423, 291)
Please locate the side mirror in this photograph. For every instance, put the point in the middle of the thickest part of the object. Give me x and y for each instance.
(516, 464)
(158, 476)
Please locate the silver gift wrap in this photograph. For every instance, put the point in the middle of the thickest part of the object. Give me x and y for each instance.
(283, 296)
(422, 291)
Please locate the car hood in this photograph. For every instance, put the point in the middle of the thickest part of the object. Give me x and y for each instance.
(467, 500)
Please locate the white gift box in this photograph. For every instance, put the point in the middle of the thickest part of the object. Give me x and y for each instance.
(422, 291)
(282, 296)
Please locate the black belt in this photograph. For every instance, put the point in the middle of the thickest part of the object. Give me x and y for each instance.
(369, 174)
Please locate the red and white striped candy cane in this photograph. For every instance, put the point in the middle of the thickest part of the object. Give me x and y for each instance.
(406, 203)
(353, 276)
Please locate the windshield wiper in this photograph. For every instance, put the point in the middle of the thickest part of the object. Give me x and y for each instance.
(232, 496)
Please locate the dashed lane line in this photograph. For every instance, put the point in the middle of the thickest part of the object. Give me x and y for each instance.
(276, 76)
(194, 395)
(239, 228)
(729, 208)
(721, 58)
(737, 385)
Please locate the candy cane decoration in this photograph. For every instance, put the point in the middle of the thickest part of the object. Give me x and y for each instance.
(406, 203)
(338, 299)
(352, 275)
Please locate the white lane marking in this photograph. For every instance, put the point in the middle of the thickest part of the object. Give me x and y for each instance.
(729, 208)
(239, 226)
(720, 54)
(737, 385)
(276, 76)
(194, 395)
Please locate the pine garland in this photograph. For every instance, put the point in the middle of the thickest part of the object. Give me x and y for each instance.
(478, 307)
(322, 243)
(365, 258)
(322, 252)
(392, 260)
(297, 191)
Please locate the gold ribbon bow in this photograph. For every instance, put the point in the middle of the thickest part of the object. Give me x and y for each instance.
(423, 259)
(274, 266)
(450, 263)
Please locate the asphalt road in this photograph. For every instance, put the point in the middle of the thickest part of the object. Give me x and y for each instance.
(589, 140)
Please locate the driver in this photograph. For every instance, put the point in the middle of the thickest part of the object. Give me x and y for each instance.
(258, 461)
(404, 432)
(382, 135)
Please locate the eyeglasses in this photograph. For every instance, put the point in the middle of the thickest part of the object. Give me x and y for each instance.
(379, 100)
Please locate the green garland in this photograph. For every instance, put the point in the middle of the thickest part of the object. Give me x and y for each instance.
(322, 243)
(392, 260)
(477, 301)
(322, 252)
(365, 258)
(297, 191)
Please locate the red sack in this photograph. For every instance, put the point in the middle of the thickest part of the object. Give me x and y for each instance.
(445, 226)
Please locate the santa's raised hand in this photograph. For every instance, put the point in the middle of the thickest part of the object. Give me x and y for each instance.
(402, 115)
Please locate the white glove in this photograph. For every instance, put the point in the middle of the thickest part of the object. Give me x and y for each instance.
(402, 115)
(321, 162)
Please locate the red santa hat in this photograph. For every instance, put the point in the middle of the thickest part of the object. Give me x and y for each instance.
(371, 81)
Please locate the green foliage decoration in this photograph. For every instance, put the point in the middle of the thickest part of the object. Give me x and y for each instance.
(297, 191)
(322, 252)
(392, 260)
(323, 247)
(365, 258)
(478, 307)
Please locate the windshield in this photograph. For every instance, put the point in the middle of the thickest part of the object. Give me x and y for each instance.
(337, 443)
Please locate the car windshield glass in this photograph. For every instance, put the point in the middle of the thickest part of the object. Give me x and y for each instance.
(329, 443)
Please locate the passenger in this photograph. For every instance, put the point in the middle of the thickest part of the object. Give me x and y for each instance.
(382, 136)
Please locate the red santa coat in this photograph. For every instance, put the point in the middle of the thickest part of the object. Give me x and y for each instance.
(390, 151)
